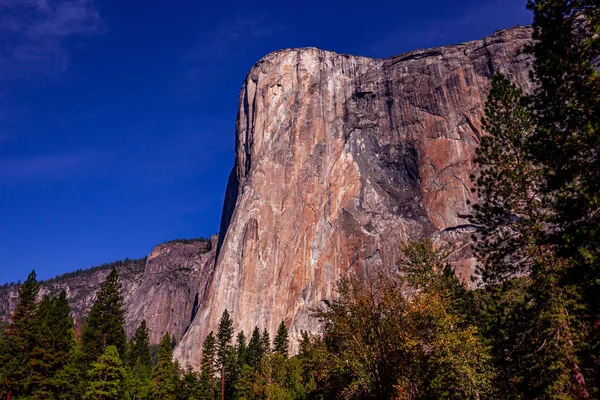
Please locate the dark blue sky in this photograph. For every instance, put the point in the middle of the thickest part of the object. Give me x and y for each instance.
(117, 117)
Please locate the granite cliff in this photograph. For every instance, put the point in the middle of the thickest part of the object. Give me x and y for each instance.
(340, 159)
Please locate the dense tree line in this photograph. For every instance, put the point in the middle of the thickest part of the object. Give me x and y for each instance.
(42, 356)
(134, 265)
(201, 239)
(530, 330)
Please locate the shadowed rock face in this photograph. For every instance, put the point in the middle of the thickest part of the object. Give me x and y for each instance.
(339, 160)
(174, 280)
(163, 289)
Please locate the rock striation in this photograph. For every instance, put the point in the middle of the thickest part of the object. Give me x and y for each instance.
(162, 288)
(340, 159)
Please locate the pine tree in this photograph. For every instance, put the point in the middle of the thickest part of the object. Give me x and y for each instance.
(163, 377)
(245, 385)
(531, 219)
(509, 213)
(565, 144)
(138, 382)
(191, 388)
(567, 117)
(18, 341)
(139, 363)
(140, 348)
(223, 346)
(241, 349)
(238, 358)
(54, 341)
(106, 379)
(207, 377)
(71, 379)
(265, 342)
(105, 322)
(281, 342)
(255, 352)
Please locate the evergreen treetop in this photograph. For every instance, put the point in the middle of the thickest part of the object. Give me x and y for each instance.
(281, 342)
(255, 352)
(164, 379)
(106, 377)
(224, 337)
(19, 341)
(140, 349)
(106, 319)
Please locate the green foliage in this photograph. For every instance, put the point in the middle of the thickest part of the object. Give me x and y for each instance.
(54, 339)
(139, 363)
(224, 336)
(164, 376)
(241, 348)
(139, 353)
(281, 342)
(567, 111)
(106, 378)
(244, 387)
(510, 213)
(401, 336)
(255, 349)
(191, 386)
(565, 146)
(72, 378)
(224, 349)
(539, 213)
(105, 322)
(18, 342)
(201, 239)
(209, 359)
(265, 343)
(138, 382)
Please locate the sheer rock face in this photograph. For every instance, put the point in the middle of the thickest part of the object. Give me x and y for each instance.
(164, 289)
(339, 160)
(174, 280)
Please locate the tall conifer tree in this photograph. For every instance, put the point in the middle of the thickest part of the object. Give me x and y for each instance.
(140, 347)
(106, 378)
(223, 346)
(18, 341)
(54, 342)
(241, 349)
(255, 352)
(164, 380)
(541, 201)
(207, 376)
(105, 323)
(281, 342)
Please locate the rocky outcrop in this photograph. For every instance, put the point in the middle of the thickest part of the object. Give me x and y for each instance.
(174, 280)
(163, 288)
(340, 159)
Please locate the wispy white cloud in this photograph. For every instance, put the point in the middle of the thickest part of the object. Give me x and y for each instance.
(47, 166)
(482, 19)
(34, 34)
